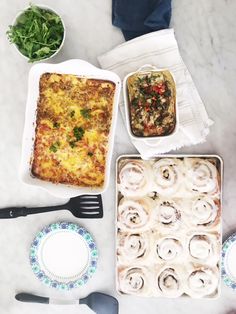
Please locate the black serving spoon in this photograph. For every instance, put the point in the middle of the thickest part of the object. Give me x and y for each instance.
(99, 302)
(83, 206)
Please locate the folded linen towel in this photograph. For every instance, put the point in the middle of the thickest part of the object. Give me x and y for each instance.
(161, 50)
(139, 17)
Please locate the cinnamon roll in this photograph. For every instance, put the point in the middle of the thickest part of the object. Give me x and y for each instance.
(134, 179)
(169, 283)
(167, 175)
(132, 247)
(168, 249)
(205, 211)
(201, 176)
(203, 282)
(200, 247)
(134, 281)
(134, 214)
(168, 214)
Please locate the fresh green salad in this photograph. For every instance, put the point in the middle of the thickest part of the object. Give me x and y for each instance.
(37, 33)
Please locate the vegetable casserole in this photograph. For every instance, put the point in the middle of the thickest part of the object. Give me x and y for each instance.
(73, 123)
(152, 103)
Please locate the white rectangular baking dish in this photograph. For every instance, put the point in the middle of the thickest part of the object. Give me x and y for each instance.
(137, 156)
(150, 139)
(82, 69)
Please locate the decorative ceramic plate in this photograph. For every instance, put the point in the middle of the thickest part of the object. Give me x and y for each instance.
(63, 255)
(229, 262)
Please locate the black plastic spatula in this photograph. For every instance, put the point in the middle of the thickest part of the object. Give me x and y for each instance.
(83, 206)
(99, 302)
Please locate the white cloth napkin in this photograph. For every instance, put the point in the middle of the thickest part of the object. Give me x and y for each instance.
(161, 50)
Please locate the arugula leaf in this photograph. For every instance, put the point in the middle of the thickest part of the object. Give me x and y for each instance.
(42, 51)
(167, 93)
(135, 102)
(38, 33)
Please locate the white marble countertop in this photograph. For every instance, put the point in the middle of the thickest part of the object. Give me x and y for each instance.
(206, 34)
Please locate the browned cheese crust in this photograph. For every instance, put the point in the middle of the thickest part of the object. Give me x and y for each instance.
(74, 116)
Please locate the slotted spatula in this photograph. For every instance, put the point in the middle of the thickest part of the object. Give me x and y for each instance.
(99, 302)
(83, 206)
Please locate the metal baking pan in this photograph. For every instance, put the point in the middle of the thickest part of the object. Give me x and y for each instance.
(219, 166)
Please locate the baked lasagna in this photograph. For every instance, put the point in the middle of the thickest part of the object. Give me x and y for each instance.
(152, 103)
(73, 122)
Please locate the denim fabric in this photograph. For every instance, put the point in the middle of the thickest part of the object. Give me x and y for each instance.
(139, 17)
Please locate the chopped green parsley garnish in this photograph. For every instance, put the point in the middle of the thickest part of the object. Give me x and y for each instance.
(72, 113)
(56, 125)
(78, 133)
(54, 147)
(72, 144)
(86, 113)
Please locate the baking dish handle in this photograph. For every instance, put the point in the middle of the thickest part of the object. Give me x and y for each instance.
(147, 67)
(153, 142)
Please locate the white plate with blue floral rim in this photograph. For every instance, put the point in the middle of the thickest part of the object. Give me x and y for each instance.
(228, 269)
(63, 255)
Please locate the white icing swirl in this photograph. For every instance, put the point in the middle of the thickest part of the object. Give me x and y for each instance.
(168, 213)
(169, 248)
(133, 246)
(200, 247)
(202, 282)
(134, 215)
(201, 175)
(167, 176)
(204, 211)
(169, 283)
(133, 281)
(134, 179)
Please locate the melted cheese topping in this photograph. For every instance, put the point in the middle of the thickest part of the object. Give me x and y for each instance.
(72, 128)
